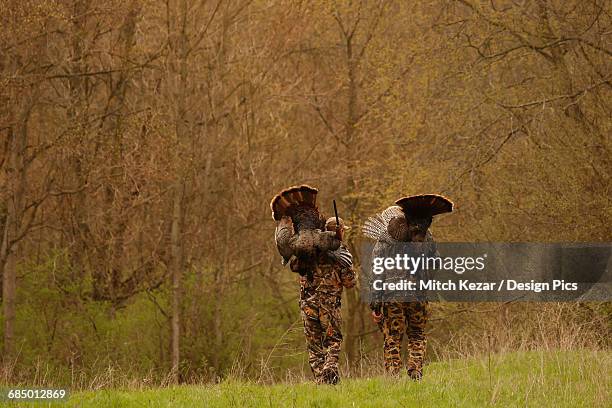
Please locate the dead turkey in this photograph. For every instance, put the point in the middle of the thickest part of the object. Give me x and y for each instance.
(300, 231)
(406, 222)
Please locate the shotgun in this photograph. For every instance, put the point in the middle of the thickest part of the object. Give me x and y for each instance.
(337, 220)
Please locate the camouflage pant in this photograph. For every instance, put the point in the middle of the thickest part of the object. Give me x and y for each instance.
(411, 318)
(322, 321)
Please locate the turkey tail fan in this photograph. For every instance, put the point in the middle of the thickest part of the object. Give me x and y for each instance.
(376, 227)
(291, 196)
(425, 205)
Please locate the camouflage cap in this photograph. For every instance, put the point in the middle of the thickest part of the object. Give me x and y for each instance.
(330, 224)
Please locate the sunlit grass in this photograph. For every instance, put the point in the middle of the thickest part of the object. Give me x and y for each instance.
(538, 379)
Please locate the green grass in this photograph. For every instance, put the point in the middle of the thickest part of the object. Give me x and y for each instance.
(534, 379)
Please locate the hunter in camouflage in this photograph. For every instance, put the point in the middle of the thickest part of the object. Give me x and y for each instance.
(320, 305)
(313, 248)
(408, 221)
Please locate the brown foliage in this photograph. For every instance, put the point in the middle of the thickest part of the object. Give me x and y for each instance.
(143, 140)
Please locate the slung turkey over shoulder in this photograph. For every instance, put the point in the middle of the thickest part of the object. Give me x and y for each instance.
(300, 231)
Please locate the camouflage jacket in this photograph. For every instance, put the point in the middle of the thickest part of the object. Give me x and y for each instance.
(329, 277)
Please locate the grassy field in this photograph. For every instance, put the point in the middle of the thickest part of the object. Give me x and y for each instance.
(534, 379)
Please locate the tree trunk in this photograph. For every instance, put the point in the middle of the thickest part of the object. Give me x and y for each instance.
(177, 256)
(178, 73)
(353, 305)
(17, 175)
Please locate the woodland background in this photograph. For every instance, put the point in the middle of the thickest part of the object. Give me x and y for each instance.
(141, 143)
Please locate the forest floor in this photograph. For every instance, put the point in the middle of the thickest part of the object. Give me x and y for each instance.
(534, 379)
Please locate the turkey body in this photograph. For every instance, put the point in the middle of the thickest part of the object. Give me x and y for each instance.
(300, 232)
